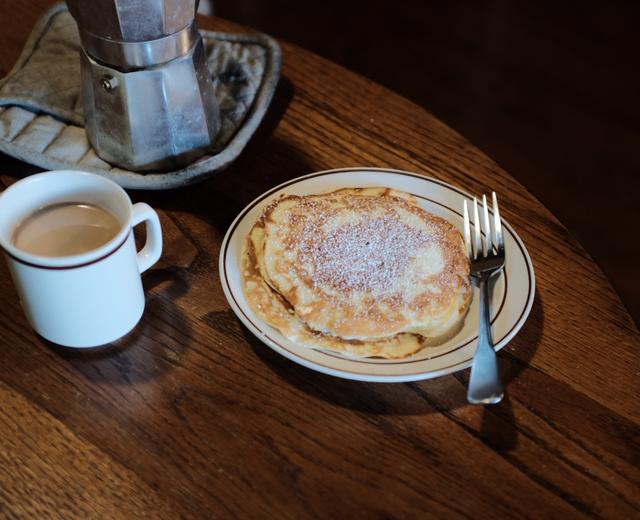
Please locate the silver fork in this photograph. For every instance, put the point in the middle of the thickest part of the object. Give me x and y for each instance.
(486, 257)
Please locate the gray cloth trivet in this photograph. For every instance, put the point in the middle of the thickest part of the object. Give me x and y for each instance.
(41, 119)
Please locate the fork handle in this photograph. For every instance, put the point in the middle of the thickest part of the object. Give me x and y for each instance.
(485, 386)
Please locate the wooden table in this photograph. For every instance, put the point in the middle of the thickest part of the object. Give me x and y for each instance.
(191, 416)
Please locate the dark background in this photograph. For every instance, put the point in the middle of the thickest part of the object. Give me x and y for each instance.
(548, 90)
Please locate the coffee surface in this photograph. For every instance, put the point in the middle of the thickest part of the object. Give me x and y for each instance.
(65, 229)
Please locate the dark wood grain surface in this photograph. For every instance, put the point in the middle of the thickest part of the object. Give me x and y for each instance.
(191, 416)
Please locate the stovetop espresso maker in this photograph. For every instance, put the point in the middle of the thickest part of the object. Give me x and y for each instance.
(147, 92)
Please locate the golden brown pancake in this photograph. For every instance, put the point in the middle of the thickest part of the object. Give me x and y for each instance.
(365, 272)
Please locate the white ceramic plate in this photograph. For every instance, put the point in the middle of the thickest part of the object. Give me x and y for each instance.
(513, 291)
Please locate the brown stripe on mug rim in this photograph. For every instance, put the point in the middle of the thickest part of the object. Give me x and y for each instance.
(65, 267)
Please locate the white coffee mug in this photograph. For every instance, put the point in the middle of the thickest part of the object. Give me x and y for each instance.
(87, 299)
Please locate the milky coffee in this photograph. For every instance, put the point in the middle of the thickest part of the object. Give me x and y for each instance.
(65, 229)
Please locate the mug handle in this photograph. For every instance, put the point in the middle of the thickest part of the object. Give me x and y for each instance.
(152, 249)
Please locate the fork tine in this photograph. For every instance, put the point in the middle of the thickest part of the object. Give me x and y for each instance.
(476, 228)
(467, 230)
(497, 224)
(488, 247)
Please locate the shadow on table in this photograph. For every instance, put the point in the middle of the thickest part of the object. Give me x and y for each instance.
(498, 428)
(444, 395)
(158, 341)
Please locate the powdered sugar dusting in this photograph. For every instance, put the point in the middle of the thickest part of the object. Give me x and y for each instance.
(368, 255)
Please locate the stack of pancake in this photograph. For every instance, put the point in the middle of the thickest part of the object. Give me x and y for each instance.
(365, 272)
